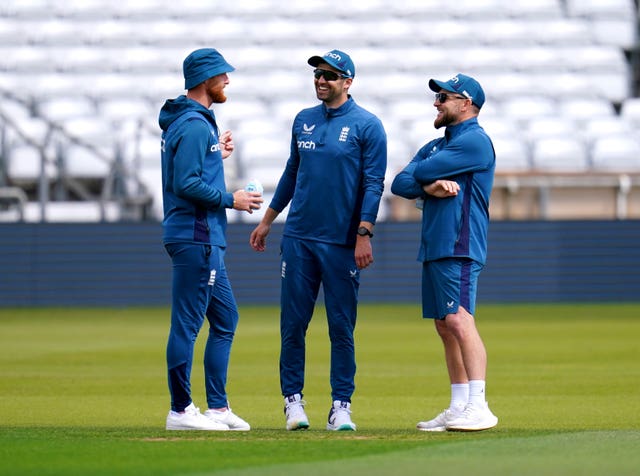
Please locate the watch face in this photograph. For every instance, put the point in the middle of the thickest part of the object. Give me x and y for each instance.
(363, 231)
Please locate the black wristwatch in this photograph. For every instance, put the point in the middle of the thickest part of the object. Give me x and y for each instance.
(364, 231)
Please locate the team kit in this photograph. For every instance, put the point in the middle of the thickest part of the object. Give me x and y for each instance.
(331, 185)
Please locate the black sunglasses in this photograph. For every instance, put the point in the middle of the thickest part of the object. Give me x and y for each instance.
(327, 75)
(442, 97)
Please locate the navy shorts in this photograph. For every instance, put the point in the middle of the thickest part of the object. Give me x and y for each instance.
(447, 284)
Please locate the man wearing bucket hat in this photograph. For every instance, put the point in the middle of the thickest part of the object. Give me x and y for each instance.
(333, 181)
(195, 201)
(452, 177)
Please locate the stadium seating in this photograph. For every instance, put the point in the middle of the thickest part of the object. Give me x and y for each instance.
(559, 154)
(556, 73)
(512, 155)
(630, 112)
(616, 153)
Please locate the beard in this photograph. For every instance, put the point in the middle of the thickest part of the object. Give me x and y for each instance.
(329, 95)
(218, 96)
(442, 120)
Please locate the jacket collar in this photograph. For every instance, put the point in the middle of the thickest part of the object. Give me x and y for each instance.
(339, 111)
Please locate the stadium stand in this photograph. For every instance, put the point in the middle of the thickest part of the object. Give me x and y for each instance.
(81, 83)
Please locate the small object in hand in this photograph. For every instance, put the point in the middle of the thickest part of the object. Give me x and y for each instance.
(254, 186)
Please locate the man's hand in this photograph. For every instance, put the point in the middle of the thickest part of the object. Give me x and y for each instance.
(442, 188)
(226, 144)
(247, 201)
(363, 252)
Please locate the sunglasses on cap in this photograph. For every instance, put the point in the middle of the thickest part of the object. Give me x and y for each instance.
(327, 75)
(442, 97)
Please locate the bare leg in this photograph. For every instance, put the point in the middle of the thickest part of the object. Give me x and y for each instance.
(461, 328)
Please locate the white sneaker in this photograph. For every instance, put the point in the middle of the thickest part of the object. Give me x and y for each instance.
(439, 423)
(227, 417)
(340, 417)
(294, 412)
(473, 418)
(192, 419)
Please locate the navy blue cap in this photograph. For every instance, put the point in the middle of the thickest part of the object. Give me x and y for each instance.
(203, 64)
(336, 59)
(463, 85)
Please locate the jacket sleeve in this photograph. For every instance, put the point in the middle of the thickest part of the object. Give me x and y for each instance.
(470, 153)
(404, 184)
(374, 163)
(188, 168)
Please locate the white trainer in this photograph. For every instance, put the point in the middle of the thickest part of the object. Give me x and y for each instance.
(439, 423)
(227, 417)
(340, 417)
(192, 419)
(294, 412)
(473, 418)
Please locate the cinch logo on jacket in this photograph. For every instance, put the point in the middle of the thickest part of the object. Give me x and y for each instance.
(306, 144)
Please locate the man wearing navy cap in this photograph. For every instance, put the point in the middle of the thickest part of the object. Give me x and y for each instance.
(452, 178)
(195, 201)
(333, 181)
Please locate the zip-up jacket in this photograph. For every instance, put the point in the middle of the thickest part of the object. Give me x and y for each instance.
(334, 177)
(453, 226)
(193, 188)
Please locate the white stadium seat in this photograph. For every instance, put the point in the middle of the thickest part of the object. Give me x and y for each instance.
(24, 59)
(619, 33)
(263, 159)
(410, 110)
(535, 58)
(27, 130)
(123, 109)
(526, 9)
(443, 31)
(80, 162)
(61, 108)
(599, 127)
(585, 108)
(524, 108)
(512, 155)
(559, 154)
(24, 164)
(505, 32)
(560, 31)
(26, 9)
(51, 32)
(496, 126)
(593, 58)
(598, 9)
(549, 126)
(564, 84)
(630, 111)
(616, 153)
(81, 9)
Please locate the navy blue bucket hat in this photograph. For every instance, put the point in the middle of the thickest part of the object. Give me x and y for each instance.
(203, 64)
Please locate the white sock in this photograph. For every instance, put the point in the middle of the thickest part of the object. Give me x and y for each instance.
(459, 395)
(476, 392)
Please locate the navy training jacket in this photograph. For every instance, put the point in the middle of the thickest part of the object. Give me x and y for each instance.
(453, 226)
(334, 177)
(193, 187)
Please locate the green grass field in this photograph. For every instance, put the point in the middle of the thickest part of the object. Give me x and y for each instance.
(83, 391)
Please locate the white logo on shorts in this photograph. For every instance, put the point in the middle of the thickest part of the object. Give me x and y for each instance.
(212, 278)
